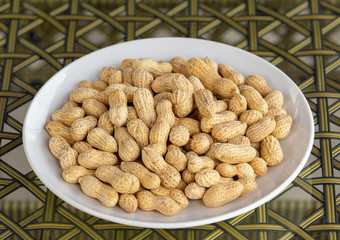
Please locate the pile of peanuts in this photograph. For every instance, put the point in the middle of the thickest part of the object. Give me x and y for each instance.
(152, 135)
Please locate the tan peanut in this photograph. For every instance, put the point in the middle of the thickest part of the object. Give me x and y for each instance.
(239, 140)
(132, 114)
(94, 107)
(276, 112)
(81, 127)
(207, 177)
(183, 102)
(152, 66)
(164, 83)
(203, 99)
(259, 165)
(256, 145)
(127, 75)
(101, 140)
(116, 77)
(94, 188)
(144, 105)
(162, 96)
(178, 65)
(106, 73)
(146, 178)
(225, 131)
(147, 201)
(194, 191)
(250, 117)
(142, 78)
(196, 83)
(73, 173)
(196, 164)
(79, 95)
(226, 170)
(249, 185)
(210, 79)
(179, 135)
(176, 158)
(67, 116)
(118, 112)
(164, 110)
(57, 144)
(174, 193)
(233, 154)
(154, 161)
(127, 63)
(245, 171)
(228, 72)
(271, 150)
(187, 176)
(98, 85)
(127, 88)
(254, 99)
(221, 194)
(211, 64)
(218, 106)
(259, 83)
(224, 180)
(274, 99)
(283, 126)
(258, 131)
(105, 123)
(92, 159)
(58, 128)
(200, 143)
(120, 181)
(139, 131)
(181, 186)
(208, 123)
(128, 202)
(189, 123)
(69, 105)
(82, 146)
(238, 104)
(159, 135)
(68, 157)
(128, 149)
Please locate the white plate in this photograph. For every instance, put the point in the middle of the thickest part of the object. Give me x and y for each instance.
(55, 93)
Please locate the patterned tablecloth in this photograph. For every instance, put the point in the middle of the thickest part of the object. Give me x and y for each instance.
(302, 38)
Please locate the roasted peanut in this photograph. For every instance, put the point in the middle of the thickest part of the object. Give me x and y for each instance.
(250, 117)
(106, 73)
(82, 146)
(81, 127)
(68, 157)
(67, 116)
(187, 176)
(178, 65)
(147, 179)
(127, 75)
(259, 83)
(69, 105)
(176, 158)
(128, 149)
(254, 99)
(200, 143)
(179, 135)
(249, 185)
(225, 131)
(226, 170)
(233, 154)
(228, 72)
(94, 188)
(154, 161)
(239, 140)
(144, 104)
(94, 107)
(116, 77)
(196, 164)
(92, 159)
(142, 78)
(276, 112)
(118, 112)
(101, 140)
(208, 123)
(283, 125)
(191, 124)
(79, 95)
(162, 96)
(128, 202)
(238, 104)
(120, 181)
(207, 177)
(261, 129)
(194, 191)
(132, 113)
(259, 165)
(271, 151)
(159, 135)
(57, 144)
(152, 66)
(73, 173)
(222, 193)
(139, 131)
(245, 171)
(196, 83)
(164, 110)
(174, 193)
(98, 85)
(105, 123)
(274, 99)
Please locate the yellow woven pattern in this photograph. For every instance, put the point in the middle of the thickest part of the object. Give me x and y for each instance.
(38, 38)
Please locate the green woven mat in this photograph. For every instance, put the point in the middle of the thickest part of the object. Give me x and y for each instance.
(38, 38)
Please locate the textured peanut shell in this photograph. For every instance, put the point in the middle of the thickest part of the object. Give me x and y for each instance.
(259, 83)
(82, 126)
(196, 164)
(146, 178)
(189, 123)
(239, 140)
(164, 110)
(118, 112)
(164, 83)
(196, 83)
(208, 123)
(276, 112)
(132, 114)
(82, 146)
(283, 126)
(194, 191)
(174, 193)
(154, 161)
(259, 165)
(127, 75)
(68, 157)
(97, 85)
(101, 140)
(116, 78)
(142, 78)
(128, 202)
(57, 144)
(69, 105)
(159, 135)
(200, 143)
(254, 99)
(105, 123)
(92, 159)
(139, 131)
(93, 107)
(250, 117)
(226, 170)
(106, 73)
(179, 135)
(187, 176)
(183, 102)
(128, 149)
(67, 116)
(238, 104)
(94, 188)
(271, 151)
(221, 194)
(58, 128)
(144, 105)
(274, 99)
(162, 96)
(203, 98)
(122, 182)
(234, 154)
(245, 171)
(73, 173)
(225, 131)
(207, 177)
(79, 95)
(178, 65)
(176, 158)
(249, 185)
(228, 72)
(258, 131)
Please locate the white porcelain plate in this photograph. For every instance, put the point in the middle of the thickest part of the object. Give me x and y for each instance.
(56, 91)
